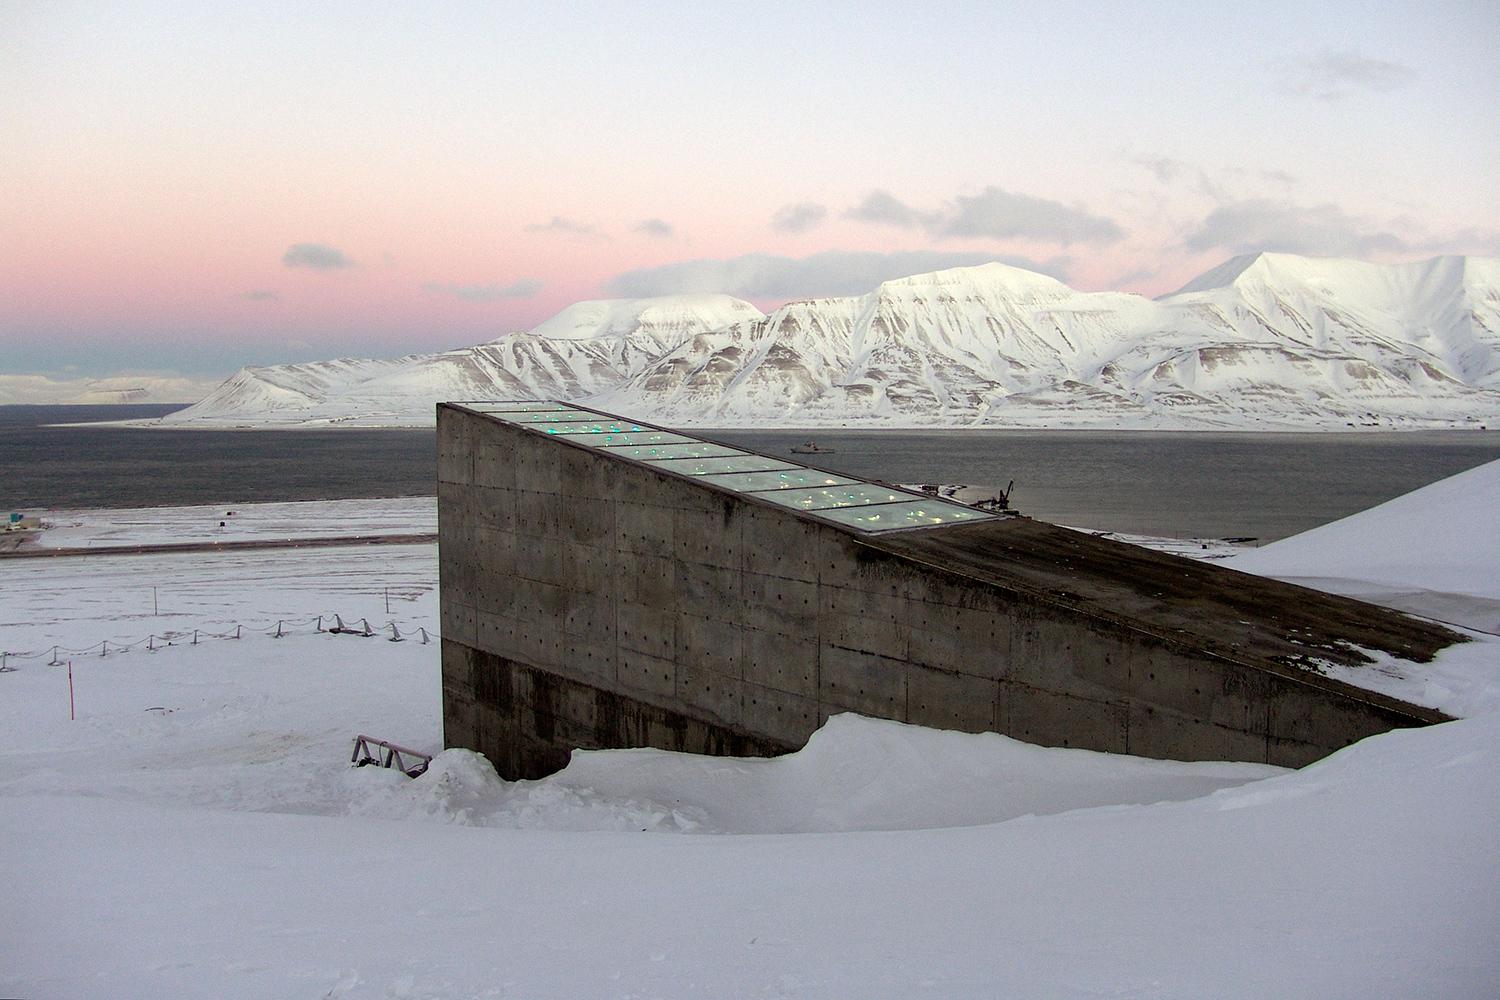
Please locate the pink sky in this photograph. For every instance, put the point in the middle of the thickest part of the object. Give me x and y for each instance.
(463, 171)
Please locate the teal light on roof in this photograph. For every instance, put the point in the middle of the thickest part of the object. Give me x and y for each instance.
(552, 416)
(912, 514)
(688, 449)
(791, 478)
(852, 495)
(611, 440)
(517, 406)
(842, 500)
(728, 463)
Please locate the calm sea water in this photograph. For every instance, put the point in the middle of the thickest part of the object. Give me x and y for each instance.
(1256, 485)
(42, 466)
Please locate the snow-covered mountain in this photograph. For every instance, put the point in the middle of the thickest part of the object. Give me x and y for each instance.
(586, 348)
(1264, 341)
(40, 389)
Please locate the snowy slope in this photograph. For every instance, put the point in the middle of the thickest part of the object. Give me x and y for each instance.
(1435, 551)
(1267, 341)
(198, 831)
(587, 347)
(39, 389)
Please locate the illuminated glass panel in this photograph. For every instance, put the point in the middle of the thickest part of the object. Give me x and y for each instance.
(691, 449)
(825, 497)
(851, 503)
(785, 479)
(518, 406)
(914, 514)
(729, 463)
(611, 440)
(590, 427)
(553, 416)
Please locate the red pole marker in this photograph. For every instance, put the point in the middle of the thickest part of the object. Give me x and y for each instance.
(72, 716)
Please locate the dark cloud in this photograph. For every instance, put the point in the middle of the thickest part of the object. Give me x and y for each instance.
(997, 214)
(1320, 230)
(260, 295)
(315, 256)
(834, 272)
(798, 218)
(884, 208)
(565, 226)
(658, 228)
(1163, 168)
(1330, 75)
(525, 288)
(992, 214)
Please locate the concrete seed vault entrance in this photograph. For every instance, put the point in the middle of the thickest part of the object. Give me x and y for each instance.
(608, 583)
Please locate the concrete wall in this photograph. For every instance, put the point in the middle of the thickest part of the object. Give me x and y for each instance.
(588, 601)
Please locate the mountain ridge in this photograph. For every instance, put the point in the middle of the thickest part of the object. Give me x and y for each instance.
(1263, 341)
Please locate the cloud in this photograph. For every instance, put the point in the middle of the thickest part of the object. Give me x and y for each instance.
(1163, 168)
(315, 256)
(833, 272)
(1331, 75)
(1320, 230)
(884, 208)
(524, 288)
(565, 226)
(654, 227)
(998, 214)
(993, 214)
(798, 218)
(261, 295)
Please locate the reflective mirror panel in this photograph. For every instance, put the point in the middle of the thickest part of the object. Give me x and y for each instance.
(610, 440)
(823, 498)
(852, 503)
(552, 416)
(786, 479)
(691, 449)
(729, 463)
(890, 516)
(593, 426)
(518, 406)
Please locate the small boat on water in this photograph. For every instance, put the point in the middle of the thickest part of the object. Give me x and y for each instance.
(811, 448)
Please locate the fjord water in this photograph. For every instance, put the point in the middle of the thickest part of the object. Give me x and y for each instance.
(1263, 486)
(62, 466)
(1182, 484)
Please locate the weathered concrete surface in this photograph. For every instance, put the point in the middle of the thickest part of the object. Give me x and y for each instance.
(592, 601)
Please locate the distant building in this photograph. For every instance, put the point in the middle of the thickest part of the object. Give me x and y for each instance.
(608, 583)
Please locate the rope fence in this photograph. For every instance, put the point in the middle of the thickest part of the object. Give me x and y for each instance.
(332, 624)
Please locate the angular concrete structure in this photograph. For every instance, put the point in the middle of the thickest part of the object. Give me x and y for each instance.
(611, 584)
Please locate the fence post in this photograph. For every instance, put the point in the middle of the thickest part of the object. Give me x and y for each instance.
(55, 661)
(338, 623)
(195, 637)
(103, 647)
(150, 643)
(367, 632)
(278, 631)
(236, 631)
(320, 623)
(395, 633)
(424, 635)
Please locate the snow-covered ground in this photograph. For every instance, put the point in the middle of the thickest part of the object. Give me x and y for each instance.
(198, 830)
(124, 527)
(1434, 552)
